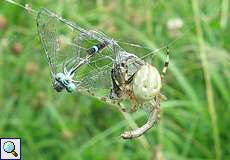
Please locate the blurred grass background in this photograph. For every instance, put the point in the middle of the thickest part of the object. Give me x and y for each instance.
(195, 120)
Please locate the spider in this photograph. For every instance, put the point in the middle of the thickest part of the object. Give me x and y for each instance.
(130, 77)
(140, 82)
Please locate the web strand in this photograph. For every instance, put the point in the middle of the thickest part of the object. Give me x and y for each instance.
(104, 35)
(27, 8)
(93, 34)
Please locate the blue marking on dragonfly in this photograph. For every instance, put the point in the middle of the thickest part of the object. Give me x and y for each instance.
(48, 28)
(65, 79)
(96, 48)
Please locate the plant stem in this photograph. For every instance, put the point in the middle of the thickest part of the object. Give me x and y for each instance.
(143, 141)
(224, 14)
(210, 100)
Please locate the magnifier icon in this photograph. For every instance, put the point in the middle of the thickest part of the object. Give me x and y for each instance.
(9, 147)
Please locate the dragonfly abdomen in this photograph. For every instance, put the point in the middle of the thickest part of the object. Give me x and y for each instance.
(96, 48)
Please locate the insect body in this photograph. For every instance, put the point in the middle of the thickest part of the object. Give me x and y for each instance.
(96, 48)
(141, 83)
(124, 68)
(65, 61)
(90, 62)
(65, 82)
(64, 79)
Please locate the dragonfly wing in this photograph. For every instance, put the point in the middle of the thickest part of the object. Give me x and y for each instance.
(97, 83)
(48, 38)
(60, 39)
(66, 45)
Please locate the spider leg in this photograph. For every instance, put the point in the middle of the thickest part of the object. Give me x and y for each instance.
(162, 97)
(157, 100)
(122, 107)
(134, 108)
(152, 118)
(164, 70)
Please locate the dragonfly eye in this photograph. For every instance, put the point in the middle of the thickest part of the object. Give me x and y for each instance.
(60, 77)
(71, 87)
(58, 87)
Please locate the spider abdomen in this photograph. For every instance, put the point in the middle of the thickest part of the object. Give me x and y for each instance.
(146, 83)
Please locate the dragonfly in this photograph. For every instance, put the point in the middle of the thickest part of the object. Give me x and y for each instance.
(89, 61)
(69, 50)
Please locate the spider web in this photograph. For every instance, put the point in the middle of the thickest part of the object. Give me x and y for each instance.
(66, 43)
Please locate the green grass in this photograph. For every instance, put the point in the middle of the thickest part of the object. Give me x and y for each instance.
(194, 120)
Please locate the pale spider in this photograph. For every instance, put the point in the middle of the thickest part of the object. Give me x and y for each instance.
(140, 82)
